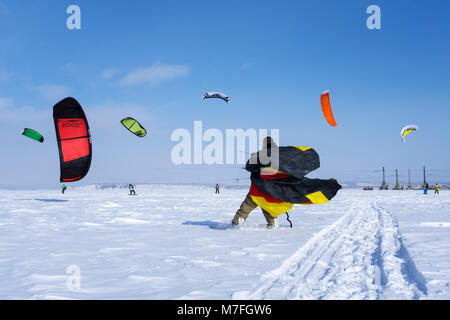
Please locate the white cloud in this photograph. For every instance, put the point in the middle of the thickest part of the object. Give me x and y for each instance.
(109, 73)
(108, 115)
(155, 74)
(13, 114)
(53, 92)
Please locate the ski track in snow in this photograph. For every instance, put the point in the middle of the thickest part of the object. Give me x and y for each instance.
(361, 256)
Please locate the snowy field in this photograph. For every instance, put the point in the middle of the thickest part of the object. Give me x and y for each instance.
(172, 242)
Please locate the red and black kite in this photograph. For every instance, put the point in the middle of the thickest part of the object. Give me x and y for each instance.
(74, 140)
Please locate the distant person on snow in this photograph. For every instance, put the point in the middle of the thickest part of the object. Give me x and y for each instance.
(217, 189)
(131, 188)
(248, 204)
(425, 188)
(436, 189)
(63, 188)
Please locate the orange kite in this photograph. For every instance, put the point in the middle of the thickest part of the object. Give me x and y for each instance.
(326, 108)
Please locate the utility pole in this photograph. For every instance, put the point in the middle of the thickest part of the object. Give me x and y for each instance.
(409, 179)
(397, 185)
(383, 184)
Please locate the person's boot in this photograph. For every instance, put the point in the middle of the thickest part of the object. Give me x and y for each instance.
(234, 224)
(273, 224)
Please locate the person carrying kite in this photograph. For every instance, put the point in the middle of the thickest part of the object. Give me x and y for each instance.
(248, 205)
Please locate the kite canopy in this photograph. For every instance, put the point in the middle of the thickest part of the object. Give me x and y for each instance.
(30, 133)
(74, 139)
(326, 108)
(134, 126)
(218, 95)
(276, 191)
(407, 130)
(293, 161)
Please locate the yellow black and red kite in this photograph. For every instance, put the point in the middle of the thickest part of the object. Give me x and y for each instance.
(277, 190)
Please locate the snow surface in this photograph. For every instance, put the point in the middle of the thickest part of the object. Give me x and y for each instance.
(173, 242)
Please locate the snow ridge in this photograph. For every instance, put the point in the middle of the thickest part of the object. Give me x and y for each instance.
(360, 256)
(399, 268)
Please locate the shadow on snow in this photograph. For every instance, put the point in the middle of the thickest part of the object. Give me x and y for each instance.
(210, 224)
(43, 200)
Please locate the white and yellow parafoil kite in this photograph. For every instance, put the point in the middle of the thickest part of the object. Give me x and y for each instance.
(407, 130)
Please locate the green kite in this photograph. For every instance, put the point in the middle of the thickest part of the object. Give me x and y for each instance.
(134, 126)
(30, 133)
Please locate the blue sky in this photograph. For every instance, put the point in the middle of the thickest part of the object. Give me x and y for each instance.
(153, 60)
